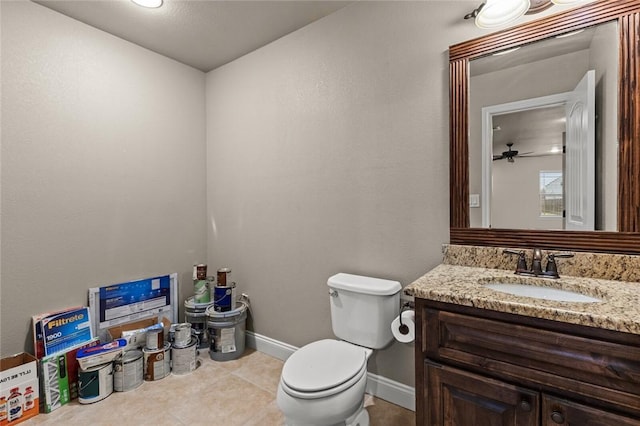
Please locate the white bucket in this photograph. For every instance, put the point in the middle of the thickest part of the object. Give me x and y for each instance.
(227, 332)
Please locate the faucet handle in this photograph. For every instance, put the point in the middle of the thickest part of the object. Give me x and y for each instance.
(552, 268)
(522, 261)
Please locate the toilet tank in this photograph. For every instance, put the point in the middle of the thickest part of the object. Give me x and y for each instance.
(362, 309)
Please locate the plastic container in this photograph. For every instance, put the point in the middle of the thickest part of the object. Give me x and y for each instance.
(227, 331)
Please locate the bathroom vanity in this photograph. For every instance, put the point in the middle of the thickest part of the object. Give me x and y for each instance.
(484, 357)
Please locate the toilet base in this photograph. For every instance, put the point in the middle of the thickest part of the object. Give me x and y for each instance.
(359, 418)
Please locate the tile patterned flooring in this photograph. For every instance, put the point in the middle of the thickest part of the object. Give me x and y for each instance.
(240, 392)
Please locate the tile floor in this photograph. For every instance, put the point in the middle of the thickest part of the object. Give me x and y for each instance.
(238, 392)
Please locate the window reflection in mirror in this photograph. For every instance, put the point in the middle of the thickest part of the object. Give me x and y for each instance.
(549, 68)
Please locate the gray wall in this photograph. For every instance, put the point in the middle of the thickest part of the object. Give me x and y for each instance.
(515, 201)
(103, 165)
(327, 151)
(604, 60)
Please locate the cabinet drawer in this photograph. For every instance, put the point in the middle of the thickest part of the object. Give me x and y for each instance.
(556, 411)
(607, 370)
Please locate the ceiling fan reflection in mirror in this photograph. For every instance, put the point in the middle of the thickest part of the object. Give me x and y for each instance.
(510, 154)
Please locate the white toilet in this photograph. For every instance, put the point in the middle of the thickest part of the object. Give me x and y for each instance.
(323, 383)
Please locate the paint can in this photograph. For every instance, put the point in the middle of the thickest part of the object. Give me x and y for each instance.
(182, 335)
(201, 292)
(172, 333)
(199, 271)
(95, 383)
(224, 276)
(128, 371)
(227, 331)
(184, 359)
(157, 362)
(224, 297)
(155, 337)
(196, 315)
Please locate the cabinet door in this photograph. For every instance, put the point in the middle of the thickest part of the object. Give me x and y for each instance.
(457, 398)
(556, 411)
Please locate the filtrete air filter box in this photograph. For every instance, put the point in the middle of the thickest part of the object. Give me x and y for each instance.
(19, 391)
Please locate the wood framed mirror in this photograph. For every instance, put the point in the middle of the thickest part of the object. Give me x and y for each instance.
(626, 13)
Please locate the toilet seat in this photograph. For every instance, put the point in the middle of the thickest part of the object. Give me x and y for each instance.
(323, 368)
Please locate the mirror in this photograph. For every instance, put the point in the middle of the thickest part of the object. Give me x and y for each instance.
(518, 103)
(619, 219)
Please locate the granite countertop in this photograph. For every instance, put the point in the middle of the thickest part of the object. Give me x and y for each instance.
(619, 309)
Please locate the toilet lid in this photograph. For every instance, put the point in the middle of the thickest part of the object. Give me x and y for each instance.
(323, 365)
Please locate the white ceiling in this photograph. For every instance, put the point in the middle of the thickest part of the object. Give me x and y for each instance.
(204, 34)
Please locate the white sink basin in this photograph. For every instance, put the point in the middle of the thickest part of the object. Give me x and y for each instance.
(539, 292)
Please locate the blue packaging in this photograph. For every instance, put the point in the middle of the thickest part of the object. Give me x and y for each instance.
(224, 297)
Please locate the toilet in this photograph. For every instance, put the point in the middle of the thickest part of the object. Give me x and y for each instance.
(323, 383)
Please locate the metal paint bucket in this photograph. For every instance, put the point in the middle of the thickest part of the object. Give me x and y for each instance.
(184, 359)
(128, 371)
(157, 362)
(224, 297)
(155, 338)
(182, 335)
(227, 332)
(195, 314)
(95, 383)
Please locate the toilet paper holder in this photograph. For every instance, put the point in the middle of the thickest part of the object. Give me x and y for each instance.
(403, 329)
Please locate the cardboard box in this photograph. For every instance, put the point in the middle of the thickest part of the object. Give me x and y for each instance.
(137, 339)
(38, 337)
(19, 390)
(59, 377)
(66, 330)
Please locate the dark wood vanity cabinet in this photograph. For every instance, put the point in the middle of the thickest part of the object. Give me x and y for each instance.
(476, 367)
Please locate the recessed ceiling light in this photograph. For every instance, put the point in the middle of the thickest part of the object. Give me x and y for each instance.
(148, 3)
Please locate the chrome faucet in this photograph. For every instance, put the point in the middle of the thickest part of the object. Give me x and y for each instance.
(549, 271)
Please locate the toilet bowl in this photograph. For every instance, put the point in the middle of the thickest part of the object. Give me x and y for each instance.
(323, 383)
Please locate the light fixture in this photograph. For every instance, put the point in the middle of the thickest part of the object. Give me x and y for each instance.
(506, 52)
(497, 13)
(148, 3)
(566, 2)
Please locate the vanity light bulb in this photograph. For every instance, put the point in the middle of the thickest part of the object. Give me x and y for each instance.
(497, 13)
(148, 3)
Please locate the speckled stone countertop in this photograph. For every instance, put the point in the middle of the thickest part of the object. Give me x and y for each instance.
(462, 282)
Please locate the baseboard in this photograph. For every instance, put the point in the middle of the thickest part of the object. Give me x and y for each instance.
(391, 391)
(378, 386)
(269, 346)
